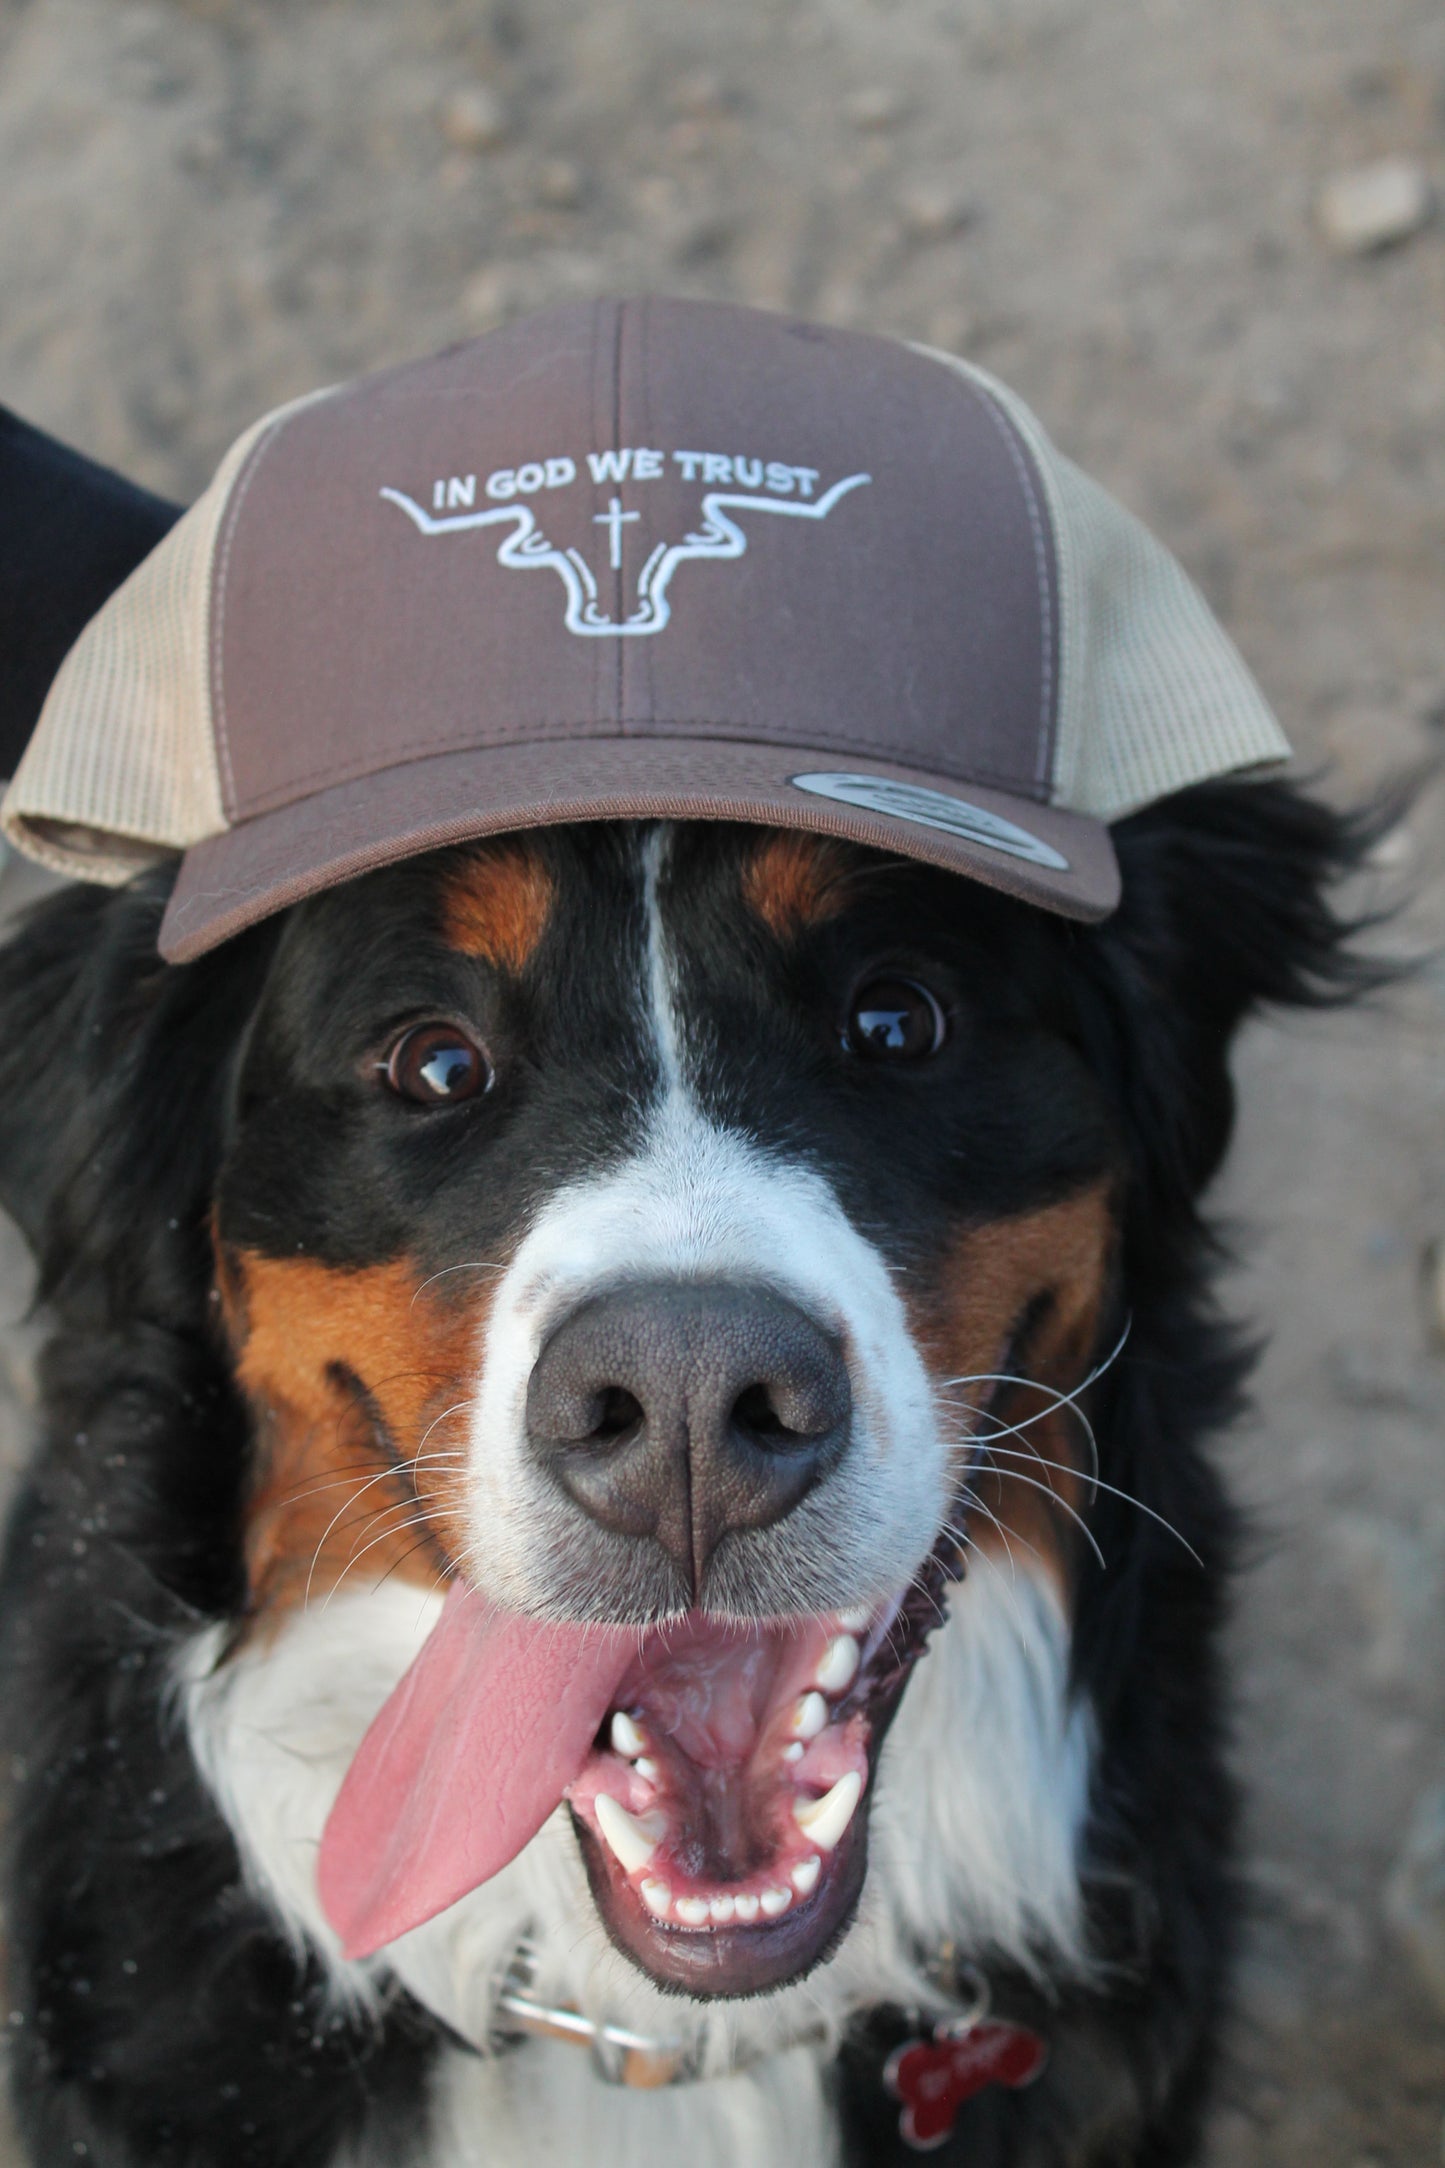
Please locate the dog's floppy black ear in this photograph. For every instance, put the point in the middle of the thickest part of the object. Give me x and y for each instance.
(1226, 908)
(115, 1075)
(70, 532)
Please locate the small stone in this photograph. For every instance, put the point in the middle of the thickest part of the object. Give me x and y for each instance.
(472, 118)
(876, 107)
(1375, 206)
(202, 150)
(700, 95)
(1415, 1894)
(1432, 1289)
(491, 295)
(560, 185)
(932, 211)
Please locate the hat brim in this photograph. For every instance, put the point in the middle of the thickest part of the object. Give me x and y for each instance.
(1062, 861)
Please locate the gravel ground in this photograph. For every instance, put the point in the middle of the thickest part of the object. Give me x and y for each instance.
(206, 206)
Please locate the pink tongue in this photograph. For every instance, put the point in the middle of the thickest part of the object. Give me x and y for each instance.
(463, 1764)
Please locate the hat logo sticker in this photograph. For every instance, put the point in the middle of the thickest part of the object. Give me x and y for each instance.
(717, 535)
(933, 809)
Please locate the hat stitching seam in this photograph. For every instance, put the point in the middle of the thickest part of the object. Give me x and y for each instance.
(880, 833)
(633, 730)
(619, 690)
(1045, 752)
(218, 677)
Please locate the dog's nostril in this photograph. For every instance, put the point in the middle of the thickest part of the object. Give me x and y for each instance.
(618, 1414)
(756, 1415)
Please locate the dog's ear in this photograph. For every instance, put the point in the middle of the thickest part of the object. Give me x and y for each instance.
(70, 532)
(1227, 907)
(115, 1076)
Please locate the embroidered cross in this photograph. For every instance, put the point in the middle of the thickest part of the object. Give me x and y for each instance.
(614, 519)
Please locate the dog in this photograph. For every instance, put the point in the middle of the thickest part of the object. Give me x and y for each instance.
(622, 1552)
(281, 1196)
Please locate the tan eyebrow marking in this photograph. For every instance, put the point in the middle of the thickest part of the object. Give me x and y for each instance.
(496, 905)
(793, 881)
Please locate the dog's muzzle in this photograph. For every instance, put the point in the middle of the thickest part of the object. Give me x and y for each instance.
(686, 1412)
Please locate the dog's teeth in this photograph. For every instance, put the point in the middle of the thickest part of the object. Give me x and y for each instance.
(805, 1875)
(645, 1768)
(746, 1908)
(839, 1667)
(810, 1716)
(824, 1820)
(775, 1901)
(657, 1896)
(794, 1750)
(722, 1909)
(633, 1837)
(692, 1911)
(853, 1622)
(628, 1739)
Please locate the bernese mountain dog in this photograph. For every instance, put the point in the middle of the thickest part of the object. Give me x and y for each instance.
(596, 1124)
(621, 1562)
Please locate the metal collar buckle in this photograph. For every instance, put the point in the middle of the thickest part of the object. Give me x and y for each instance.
(620, 2056)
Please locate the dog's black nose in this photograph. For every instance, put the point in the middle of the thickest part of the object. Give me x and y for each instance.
(686, 1411)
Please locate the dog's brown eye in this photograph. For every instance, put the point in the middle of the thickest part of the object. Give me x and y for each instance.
(894, 1020)
(437, 1065)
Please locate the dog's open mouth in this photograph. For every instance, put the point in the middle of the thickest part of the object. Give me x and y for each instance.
(718, 1773)
(721, 1806)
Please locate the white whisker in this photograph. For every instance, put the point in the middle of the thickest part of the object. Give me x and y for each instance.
(481, 1265)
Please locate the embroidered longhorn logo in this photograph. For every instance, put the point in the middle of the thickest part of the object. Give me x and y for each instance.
(526, 548)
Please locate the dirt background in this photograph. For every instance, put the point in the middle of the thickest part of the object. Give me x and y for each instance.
(209, 205)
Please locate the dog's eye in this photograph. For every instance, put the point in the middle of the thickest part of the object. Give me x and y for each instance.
(894, 1020)
(436, 1065)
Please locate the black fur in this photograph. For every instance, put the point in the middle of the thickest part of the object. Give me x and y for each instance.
(157, 2017)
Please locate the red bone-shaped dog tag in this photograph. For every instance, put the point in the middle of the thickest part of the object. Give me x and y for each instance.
(933, 2078)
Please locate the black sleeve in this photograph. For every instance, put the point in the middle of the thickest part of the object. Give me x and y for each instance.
(70, 532)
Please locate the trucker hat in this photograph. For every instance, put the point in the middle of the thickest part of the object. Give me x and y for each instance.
(647, 558)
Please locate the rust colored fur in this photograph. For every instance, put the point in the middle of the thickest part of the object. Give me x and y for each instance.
(497, 905)
(792, 882)
(359, 1384)
(985, 1281)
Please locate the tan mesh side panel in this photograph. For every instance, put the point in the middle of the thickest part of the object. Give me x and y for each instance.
(122, 767)
(1153, 693)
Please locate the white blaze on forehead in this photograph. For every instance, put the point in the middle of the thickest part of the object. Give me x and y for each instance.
(661, 993)
(699, 1201)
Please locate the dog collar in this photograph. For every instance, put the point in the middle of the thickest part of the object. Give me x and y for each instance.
(620, 2055)
(931, 2072)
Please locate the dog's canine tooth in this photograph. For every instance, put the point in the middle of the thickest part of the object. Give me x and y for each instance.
(745, 1905)
(805, 1875)
(810, 1716)
(839, 1667)
(722, 1909)
(775, 1901)
(657, 1896)
(824, 1820)
(628, 1738)
(633, 1838)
